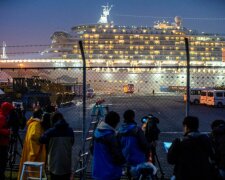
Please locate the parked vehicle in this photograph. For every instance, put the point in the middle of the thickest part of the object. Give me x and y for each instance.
(128, 88)
(195, 94)
(204, 96)
(90, 93)
(216, 98)
(35, 98)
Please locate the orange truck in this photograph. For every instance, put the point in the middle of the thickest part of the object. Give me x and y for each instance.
(128, 88)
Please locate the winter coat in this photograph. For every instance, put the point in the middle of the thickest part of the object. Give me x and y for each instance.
(4, 129)
(191, 155)
(33, 150)
(134, 144)
(107, 154)
(60, 140)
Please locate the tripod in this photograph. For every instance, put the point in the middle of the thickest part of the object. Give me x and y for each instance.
(156, 159)
(13, 150)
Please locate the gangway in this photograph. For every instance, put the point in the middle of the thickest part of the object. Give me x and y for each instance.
(98, 113)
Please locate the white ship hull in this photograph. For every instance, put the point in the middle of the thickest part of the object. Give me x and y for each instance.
(112, 80)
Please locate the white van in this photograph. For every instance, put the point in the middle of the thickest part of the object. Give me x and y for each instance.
(90, 93)
(204, 95)
(194, 95)
(216, 98)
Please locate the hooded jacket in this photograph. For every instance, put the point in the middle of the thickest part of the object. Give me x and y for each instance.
(4, 129)
(60, 140)
(134, 144)
(191, 156)
(107, 154)
(33, 150)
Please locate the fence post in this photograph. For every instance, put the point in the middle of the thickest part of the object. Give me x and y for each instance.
(188, 77)
(84, 103)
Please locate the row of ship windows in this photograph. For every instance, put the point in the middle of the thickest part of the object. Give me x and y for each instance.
(147, 38)
(195, 54)
(140, 47)
(151, 52)
(122, 42)
(132, 35)
(162, 47)
(162, 38)
(155, 82)
(147, 81)
(92, 35)
(155, 42)
(96, 57)
(154, 57)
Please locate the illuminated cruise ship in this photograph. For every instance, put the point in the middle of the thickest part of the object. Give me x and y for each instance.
(121, 54)
(107, 44)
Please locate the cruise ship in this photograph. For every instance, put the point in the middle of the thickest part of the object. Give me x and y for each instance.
(143, 56)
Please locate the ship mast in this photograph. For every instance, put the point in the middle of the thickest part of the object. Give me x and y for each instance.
(4, 55)
(106, 10)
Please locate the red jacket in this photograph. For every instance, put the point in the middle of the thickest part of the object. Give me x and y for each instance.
(4, 129)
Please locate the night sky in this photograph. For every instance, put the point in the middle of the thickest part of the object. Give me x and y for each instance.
(33, 21)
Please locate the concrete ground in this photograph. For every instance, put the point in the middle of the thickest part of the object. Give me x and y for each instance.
(170, 109)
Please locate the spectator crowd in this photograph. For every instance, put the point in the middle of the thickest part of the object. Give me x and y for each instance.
(128, 150)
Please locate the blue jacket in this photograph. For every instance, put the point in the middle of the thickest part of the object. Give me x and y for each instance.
(60, 140)
(107, 154)
(134, 143)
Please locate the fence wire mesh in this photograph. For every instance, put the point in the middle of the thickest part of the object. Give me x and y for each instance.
(156, 90)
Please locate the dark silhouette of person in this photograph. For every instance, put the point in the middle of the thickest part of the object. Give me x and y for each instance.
(135, 146)
(218, 140)
(5, 132)
(191, 154)
(60, 140)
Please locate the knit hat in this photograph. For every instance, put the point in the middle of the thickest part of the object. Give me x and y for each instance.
(6, 107)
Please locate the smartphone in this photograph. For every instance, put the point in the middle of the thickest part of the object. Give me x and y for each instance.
(167, 145)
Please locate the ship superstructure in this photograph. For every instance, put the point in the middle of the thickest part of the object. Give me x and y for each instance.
(107, 44)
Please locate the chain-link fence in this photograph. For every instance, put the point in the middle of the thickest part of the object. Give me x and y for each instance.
(156, 90)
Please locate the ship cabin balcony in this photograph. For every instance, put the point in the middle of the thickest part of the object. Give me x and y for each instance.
(127, 31)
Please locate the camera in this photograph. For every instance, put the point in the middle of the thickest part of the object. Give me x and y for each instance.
(17, 105)
(152, 132)
(150, 127)
(16, 118)
(150, 118)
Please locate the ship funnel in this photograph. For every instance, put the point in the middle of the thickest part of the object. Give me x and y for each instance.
(178, 20)
(104, 17)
